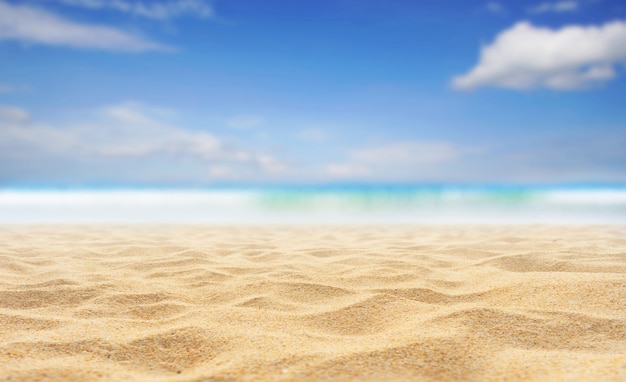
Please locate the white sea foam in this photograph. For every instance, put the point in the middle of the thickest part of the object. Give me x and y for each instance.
(315, 205)
(605, 197)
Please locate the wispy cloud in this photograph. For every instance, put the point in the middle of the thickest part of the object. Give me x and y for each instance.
(10, 89)
(555, 7)
(494, 7)
(132, 143)
(576, 156)
(416, 152)
(153, 10)
(406, 160)
(126, 143)
(526, 56)
(34, 25)
(581, 156)
(13, 114)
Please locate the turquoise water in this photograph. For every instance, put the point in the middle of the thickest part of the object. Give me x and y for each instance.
(366, 204)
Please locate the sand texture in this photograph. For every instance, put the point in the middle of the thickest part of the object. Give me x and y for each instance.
(397, 303)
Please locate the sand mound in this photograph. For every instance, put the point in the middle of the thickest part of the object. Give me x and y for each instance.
(208, 303)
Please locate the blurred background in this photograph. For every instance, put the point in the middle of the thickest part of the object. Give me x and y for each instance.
(342, 110)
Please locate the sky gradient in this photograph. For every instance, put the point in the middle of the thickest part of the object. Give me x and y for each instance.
(194, 93)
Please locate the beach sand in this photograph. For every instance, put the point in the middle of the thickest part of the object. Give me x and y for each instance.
(210, 303)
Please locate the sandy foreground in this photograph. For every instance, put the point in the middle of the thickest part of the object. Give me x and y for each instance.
(209, 303)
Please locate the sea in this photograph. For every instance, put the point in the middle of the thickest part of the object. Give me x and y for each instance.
(368, 204)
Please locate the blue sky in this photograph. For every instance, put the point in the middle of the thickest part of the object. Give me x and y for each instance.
(194, 93)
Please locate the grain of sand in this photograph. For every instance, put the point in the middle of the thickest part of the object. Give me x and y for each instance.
(209, 303)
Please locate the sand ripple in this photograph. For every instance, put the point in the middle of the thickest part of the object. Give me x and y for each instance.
(208, 303)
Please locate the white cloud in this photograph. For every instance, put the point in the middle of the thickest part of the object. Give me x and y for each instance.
(526, 57)
(398, 160)
(127, 139)
(153, 10)
(581, 156)
(132, 143)
(35, 25)
(13, 114)
(129, 113)
(558, 7)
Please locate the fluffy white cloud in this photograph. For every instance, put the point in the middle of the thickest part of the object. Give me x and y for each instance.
(558, 7)
(153, 10)
(127, 141)
(526, 56)
(35, 25)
